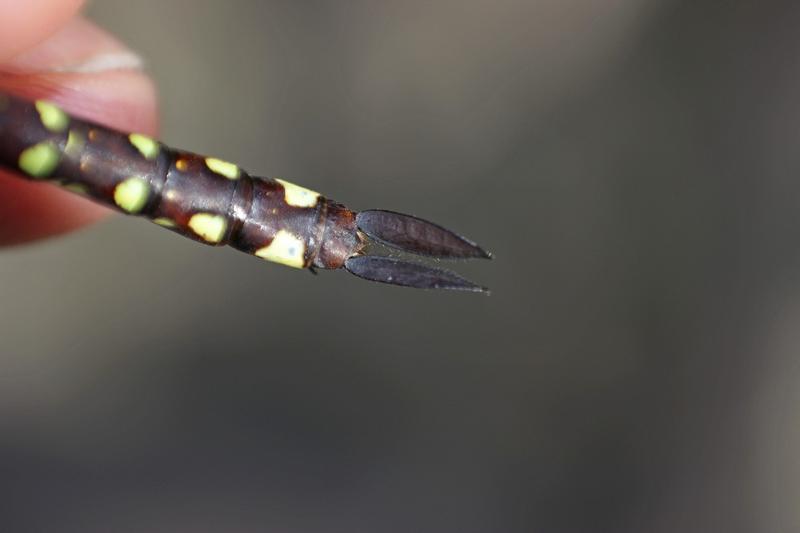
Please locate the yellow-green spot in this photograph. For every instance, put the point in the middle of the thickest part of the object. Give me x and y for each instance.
(53, 118)
(147, 146)
(77, 188)
(223, 168)
(286, 249)
(40, 159)
(298, 196)
(4, 101)
(165, 222)
(75, 143)
(131, 195)
(210, 227)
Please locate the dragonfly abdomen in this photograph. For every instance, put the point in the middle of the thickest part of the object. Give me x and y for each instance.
(217, 203)
(204, 198)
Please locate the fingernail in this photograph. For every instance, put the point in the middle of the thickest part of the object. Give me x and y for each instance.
(103, 62)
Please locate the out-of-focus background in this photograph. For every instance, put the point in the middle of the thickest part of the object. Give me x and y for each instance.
(632, 164)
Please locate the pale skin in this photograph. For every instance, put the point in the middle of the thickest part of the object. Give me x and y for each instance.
(47, 50)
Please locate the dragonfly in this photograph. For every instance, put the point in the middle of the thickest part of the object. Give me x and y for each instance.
(215, 202)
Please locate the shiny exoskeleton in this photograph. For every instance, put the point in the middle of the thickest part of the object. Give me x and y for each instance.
(216, 202)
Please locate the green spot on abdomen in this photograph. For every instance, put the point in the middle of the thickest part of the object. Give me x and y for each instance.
(223, 168)
(75, 143)
(147, 146)
(164, 222)
(131, 195)
(285, 248)
(53, 118)
(40, 160)
(298, 196)
(208, 226)
(77, 188)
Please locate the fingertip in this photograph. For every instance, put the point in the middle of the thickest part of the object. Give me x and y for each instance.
(24, 23)
(31, 211)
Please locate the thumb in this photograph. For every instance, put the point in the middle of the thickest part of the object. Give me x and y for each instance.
(24, 23)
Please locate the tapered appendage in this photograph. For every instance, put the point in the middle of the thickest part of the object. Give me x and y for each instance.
(417, 236)
(408, 274)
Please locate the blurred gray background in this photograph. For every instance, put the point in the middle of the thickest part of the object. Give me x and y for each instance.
(632, 164)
